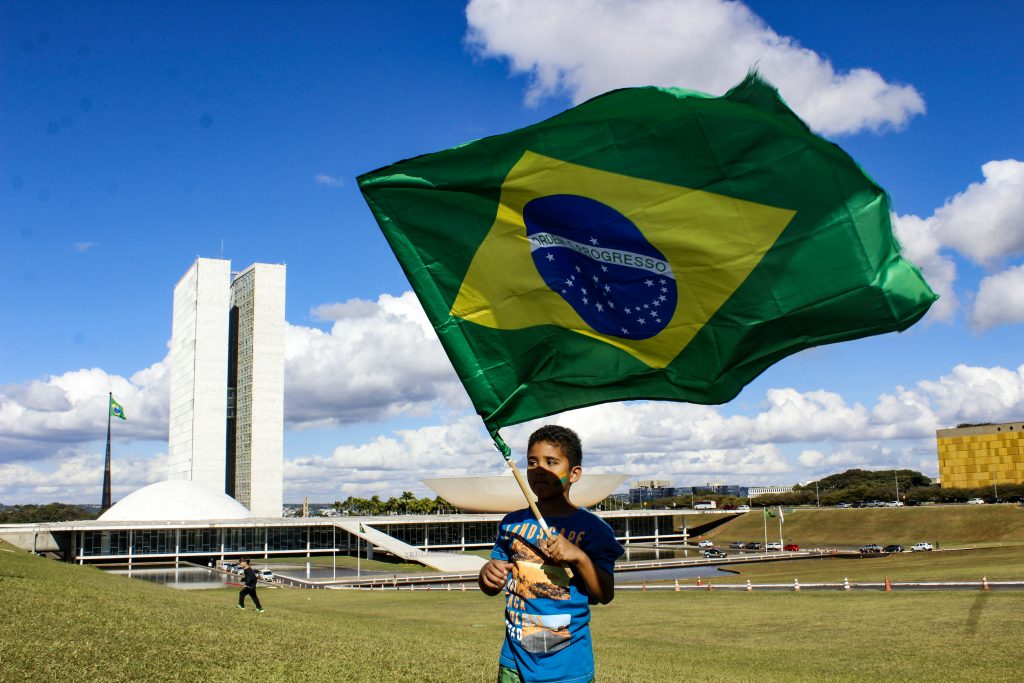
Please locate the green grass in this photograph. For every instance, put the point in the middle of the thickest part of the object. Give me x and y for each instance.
(66, 622)
(948, 525)
(347, 562)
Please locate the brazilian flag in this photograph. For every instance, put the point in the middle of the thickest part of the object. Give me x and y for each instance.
(116, 409)
(650, 243)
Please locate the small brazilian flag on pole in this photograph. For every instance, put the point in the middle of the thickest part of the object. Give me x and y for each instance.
(651, 243)
(116, 410)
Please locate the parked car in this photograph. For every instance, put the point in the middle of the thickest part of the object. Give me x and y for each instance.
(871, 548)
(266, 575)
(923, 545)
(715, 553)
(844, 505)
(706, 544)
(737, 545)
(892, 549)
(894, 504)
(791, 547)
(742, 508)
(976, 501)
(752, 546)
(773, 545)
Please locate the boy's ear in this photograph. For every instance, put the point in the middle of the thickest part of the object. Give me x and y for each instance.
(575, 473)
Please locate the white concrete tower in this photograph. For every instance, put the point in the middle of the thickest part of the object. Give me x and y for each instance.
(199, 368)
(255, 377)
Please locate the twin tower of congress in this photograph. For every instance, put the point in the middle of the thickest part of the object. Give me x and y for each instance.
(227, 382)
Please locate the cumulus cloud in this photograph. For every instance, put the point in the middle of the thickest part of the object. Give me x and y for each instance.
(328, 180)
(74, 475)
(379, 359)
(39, 416)
(1000, 300)
(985, 224)
(582, 48)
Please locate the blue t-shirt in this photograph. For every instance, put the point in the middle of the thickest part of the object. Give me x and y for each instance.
(547, 615)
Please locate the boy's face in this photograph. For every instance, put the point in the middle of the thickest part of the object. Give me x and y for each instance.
(548, 471)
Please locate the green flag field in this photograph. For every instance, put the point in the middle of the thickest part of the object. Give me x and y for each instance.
(67, 622)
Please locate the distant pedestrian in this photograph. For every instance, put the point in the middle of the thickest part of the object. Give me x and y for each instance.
(249, 578)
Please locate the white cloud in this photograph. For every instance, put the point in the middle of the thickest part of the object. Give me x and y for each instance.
(984, 223)
(74, 475)
(379, 360)
(83, 247)
(582, 48)
(1000, 300)
(328, 180)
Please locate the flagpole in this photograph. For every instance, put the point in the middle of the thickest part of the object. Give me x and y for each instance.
(105, 504)
(781, 545)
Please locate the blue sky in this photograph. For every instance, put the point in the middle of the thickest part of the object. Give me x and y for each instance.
(137, 136)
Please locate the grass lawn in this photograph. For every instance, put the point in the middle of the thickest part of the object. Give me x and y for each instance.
(347, 562)
(955, 525)
(77, 623)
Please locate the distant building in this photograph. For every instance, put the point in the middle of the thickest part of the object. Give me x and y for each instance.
(226, 426)
(646, 490)
(972, 456)
(755, 491)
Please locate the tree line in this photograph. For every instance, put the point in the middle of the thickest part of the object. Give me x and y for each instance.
(51, 512)
(406, 504)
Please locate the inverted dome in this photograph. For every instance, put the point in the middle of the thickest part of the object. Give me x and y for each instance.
(175, 500)
(501, 493)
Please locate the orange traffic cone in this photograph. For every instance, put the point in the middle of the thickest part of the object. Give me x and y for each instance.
(984, 583)
(888, 585)
(698, 582)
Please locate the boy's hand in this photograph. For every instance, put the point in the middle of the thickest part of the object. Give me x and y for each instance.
(559, 549)
(493, 575)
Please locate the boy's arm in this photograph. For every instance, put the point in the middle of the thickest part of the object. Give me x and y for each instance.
(600, 584)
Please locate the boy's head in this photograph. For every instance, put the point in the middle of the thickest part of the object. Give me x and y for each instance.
(553, 462)
(566, 439)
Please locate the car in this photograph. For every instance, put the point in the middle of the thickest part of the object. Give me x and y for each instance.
(706, 544)
(923, 545)
(737, 545)
(791, 547)
(772, 545)
(870, 548)
(894, 504)
(892, 549)
(715, 553)
(976, 501)
(265, 575)
(742, 508)
(752, 546)
(844, 505)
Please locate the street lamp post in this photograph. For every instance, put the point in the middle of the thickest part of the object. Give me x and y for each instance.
(817, 500)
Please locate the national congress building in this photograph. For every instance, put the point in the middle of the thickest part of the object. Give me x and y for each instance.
(227, 382)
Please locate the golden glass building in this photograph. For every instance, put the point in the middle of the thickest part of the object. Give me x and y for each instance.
(981, 455)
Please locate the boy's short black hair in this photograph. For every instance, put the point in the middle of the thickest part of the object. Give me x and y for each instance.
(563, 437)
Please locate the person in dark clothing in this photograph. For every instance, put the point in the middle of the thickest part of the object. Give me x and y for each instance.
(249, 578)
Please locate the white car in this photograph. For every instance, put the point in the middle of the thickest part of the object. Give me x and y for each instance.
(976, 501)
(894, 504)
(706, 544)
(742, 508)
(772, 545)
(265, 575)
(923, 545)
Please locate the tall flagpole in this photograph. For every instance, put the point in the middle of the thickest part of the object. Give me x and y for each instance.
(105, 505)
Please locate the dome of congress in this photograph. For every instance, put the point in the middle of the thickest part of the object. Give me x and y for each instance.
(175, 500)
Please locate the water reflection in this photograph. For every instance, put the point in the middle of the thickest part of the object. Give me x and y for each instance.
(185, 577)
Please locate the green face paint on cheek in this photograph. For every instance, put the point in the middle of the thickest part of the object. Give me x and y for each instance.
(564, 478)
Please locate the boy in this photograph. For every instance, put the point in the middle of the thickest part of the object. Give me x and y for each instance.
(249, 579)
(547, 614)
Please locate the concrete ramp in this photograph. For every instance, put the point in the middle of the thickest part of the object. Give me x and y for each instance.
(445, 562)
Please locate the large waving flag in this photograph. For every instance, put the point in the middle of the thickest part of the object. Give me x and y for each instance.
(116, 410)
(650, 243)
